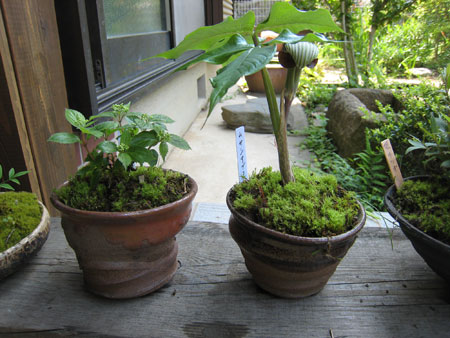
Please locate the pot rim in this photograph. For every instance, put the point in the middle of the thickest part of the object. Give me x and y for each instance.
(43, 224)
(404, 223)
(125, 214)
(296, 239)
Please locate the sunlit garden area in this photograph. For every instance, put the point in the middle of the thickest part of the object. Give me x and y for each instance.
(401, 46)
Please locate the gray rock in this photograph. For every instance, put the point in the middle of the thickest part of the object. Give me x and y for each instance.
(347, 120)
(254, 115)
(418, 72)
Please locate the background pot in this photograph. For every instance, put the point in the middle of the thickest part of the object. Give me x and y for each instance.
(126, 254)
(435, 253)
(277, 74)
(16, 256)
(285, 265)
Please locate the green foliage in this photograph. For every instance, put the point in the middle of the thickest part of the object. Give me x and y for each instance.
(313, 93)
(420, 103)
(20, 214)
(365, 174)
(120, 190)
(120, 143)
(229, 42)
(426, 204)
(437, 151)
(11, 178)
(312, 206)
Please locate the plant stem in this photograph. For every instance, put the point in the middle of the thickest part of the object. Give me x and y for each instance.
(278, 123)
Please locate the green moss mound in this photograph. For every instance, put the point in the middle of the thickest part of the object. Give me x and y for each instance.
(20, 214)
(120, 190)
(426, 205)
(312, 206)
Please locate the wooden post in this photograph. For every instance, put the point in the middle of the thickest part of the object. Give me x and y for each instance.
(392, 163)
(35, 79)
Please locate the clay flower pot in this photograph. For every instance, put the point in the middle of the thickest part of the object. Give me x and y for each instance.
(16, 256)
(435, 253)
(126, 254)
(286, 265)
(277, 74)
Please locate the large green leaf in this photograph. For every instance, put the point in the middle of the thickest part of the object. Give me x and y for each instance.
(163, 150)
(285, 16)
(143, 155)
(206, 37)
(247, 63)
(75, 118)
(65, 138)
(220, 55)
(144, 139)
(178, 142)
(286, 36)
(107, 147)
(125, 159)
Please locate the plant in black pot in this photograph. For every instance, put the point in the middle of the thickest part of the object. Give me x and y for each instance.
(120, 212)
(24, 223)
(293, 227)
(422, 203)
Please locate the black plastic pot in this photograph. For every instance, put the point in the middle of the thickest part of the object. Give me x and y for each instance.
(435, 253)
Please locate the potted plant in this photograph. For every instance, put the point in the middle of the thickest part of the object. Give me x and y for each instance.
(24, 224)
(284, 261)
(421, 205)
(120, 212)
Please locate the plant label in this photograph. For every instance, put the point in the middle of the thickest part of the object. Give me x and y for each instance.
(241, 153)
(392, 163)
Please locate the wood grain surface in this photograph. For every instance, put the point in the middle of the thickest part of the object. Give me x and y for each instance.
(377, 291)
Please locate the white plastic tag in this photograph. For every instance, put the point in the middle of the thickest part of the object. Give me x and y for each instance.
(241, 153)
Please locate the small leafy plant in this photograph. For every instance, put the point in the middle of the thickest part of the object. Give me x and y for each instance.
(11, 178)
(127, 138)
(109, 180)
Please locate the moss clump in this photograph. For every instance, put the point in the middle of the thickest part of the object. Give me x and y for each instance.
(120, 190)
(312, 206)
(20, 214)
(425, 203)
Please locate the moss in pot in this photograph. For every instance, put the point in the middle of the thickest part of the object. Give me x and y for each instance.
(24, 224)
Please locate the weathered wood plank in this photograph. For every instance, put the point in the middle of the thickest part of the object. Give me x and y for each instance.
(376, 291)
(36, 64)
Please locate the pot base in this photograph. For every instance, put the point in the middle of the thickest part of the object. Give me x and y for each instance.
(130, 283)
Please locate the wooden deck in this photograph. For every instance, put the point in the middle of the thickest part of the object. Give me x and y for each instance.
(376, 291)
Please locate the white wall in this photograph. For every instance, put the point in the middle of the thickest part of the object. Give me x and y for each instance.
(188, 15)
(178, 97)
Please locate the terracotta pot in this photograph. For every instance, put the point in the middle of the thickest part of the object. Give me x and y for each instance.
(126, 254)
(16, 256)
(286, 265)
(435, 253)
(277, 74)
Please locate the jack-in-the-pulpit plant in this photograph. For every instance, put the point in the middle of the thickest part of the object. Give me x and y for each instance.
(236, 45)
